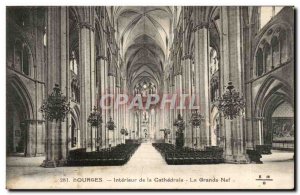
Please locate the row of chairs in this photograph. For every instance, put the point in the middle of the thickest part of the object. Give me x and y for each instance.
(184, 156)
(254, 156)
(115, 156)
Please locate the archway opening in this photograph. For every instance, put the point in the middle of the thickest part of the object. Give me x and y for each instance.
(275, 121)
(16, 120)
(283, 127)
(280, 133)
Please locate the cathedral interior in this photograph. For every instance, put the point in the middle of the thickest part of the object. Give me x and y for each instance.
(87, 52)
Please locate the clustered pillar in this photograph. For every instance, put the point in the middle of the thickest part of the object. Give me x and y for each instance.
(56, 71)
(232, 69)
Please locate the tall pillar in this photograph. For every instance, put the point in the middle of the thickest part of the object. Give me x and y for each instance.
(103, 91)
(173, 114)
(56, 73)
(177, 110)
(232, 70)
(165, 112)
(114, 110)
(87, 74)
(124, 108)
(247, 53)
(98, 96)
(28, 128)
(133, 128)
(160, 121)
(93, 92)
(187, 84)
(202, 75)
(65, 80)
(260, 126)
(118, 121)
(111, 90)
(174, 111)
(140, 123)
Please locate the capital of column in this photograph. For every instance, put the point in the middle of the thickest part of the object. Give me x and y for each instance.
(201, 25)
(259, 118)
(86, 25)
(254, 119)
(111, 74)
(118, 84)
(34, 121)
(178, 72)
(102, 58)
(187, 57)
(173, 81)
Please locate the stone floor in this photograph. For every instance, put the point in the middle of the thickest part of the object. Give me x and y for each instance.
(147, 170)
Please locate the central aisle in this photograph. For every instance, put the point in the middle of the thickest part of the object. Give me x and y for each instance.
(146, 155)
(147, 163)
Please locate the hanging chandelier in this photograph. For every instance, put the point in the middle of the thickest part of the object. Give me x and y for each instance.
(166, 131)
(179, 123)
(95, 118)
(231, 103)
(110, 124)
(196, 118)
(56, 106)
(124, 131)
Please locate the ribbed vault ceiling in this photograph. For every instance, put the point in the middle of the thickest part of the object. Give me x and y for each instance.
(143, 34)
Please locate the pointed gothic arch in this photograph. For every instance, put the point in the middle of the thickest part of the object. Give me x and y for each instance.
(272, 93)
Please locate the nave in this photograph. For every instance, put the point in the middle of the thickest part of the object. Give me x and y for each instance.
(86, 85)
(148, 163)
(82, 54)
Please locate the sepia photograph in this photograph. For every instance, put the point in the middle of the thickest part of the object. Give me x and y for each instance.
(150, 97)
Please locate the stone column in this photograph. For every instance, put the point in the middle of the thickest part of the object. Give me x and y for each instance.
(173, 114)
(103, 90)
(260, 127)
(65, 80)
(160, 121)
(110, 133)
(118, 121)
(97, 100)
(187, 84)
(140, 123)
(247, 53)
(39, 68)
(165, 114)
(57, 70)
(115, 112)
(28, 127)
(202, 75)
(232, 70)
(93, 78)
(132, 125)
(124, 108)
(179, 94)
(87, 73)
(173, 111)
